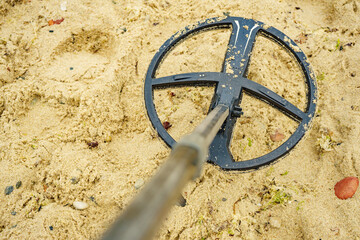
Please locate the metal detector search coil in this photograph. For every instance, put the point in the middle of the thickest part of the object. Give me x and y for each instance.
(230, 85)
(142, 217)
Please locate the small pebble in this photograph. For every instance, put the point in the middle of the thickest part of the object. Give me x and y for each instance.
(223, 199)
(350, 44)
(108, 139)
(346, 188)
(13, 213)
(71, 68)
(80, 205)
(51, 31)
(9, 190)
(166, 125)
(92, 198)
(18, 184)
(51, 228)
(74, 180)
(181, 202)
(277, 136)
(336, 230)
(139, 183)
(331, 29)
(93, 144)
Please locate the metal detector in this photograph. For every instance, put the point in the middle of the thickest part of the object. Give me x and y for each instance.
(211, 139)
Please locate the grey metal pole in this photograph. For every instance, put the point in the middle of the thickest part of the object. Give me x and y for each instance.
(142, 217)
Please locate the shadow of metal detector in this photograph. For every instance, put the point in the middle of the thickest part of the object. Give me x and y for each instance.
(211, 139)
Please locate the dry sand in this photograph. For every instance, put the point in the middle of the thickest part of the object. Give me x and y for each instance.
(49, 112)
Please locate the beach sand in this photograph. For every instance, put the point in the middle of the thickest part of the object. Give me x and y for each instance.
(80, 81)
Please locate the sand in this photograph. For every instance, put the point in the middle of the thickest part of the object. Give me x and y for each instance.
(80, 81)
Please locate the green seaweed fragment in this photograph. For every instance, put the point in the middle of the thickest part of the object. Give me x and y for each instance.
(270, 171)
(337, 44)
(249, 142)
(321, 77)
(231, 232)
(300, 205)
(277, 197)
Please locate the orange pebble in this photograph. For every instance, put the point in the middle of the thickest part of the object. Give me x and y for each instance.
(346, 188)
(51, 22)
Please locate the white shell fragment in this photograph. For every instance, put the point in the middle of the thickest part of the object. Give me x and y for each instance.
(274, 222)
(63, 6)
(139, 183)
(80, 205)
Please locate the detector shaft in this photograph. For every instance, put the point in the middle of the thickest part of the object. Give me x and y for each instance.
(142, 217)
(211, 124)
